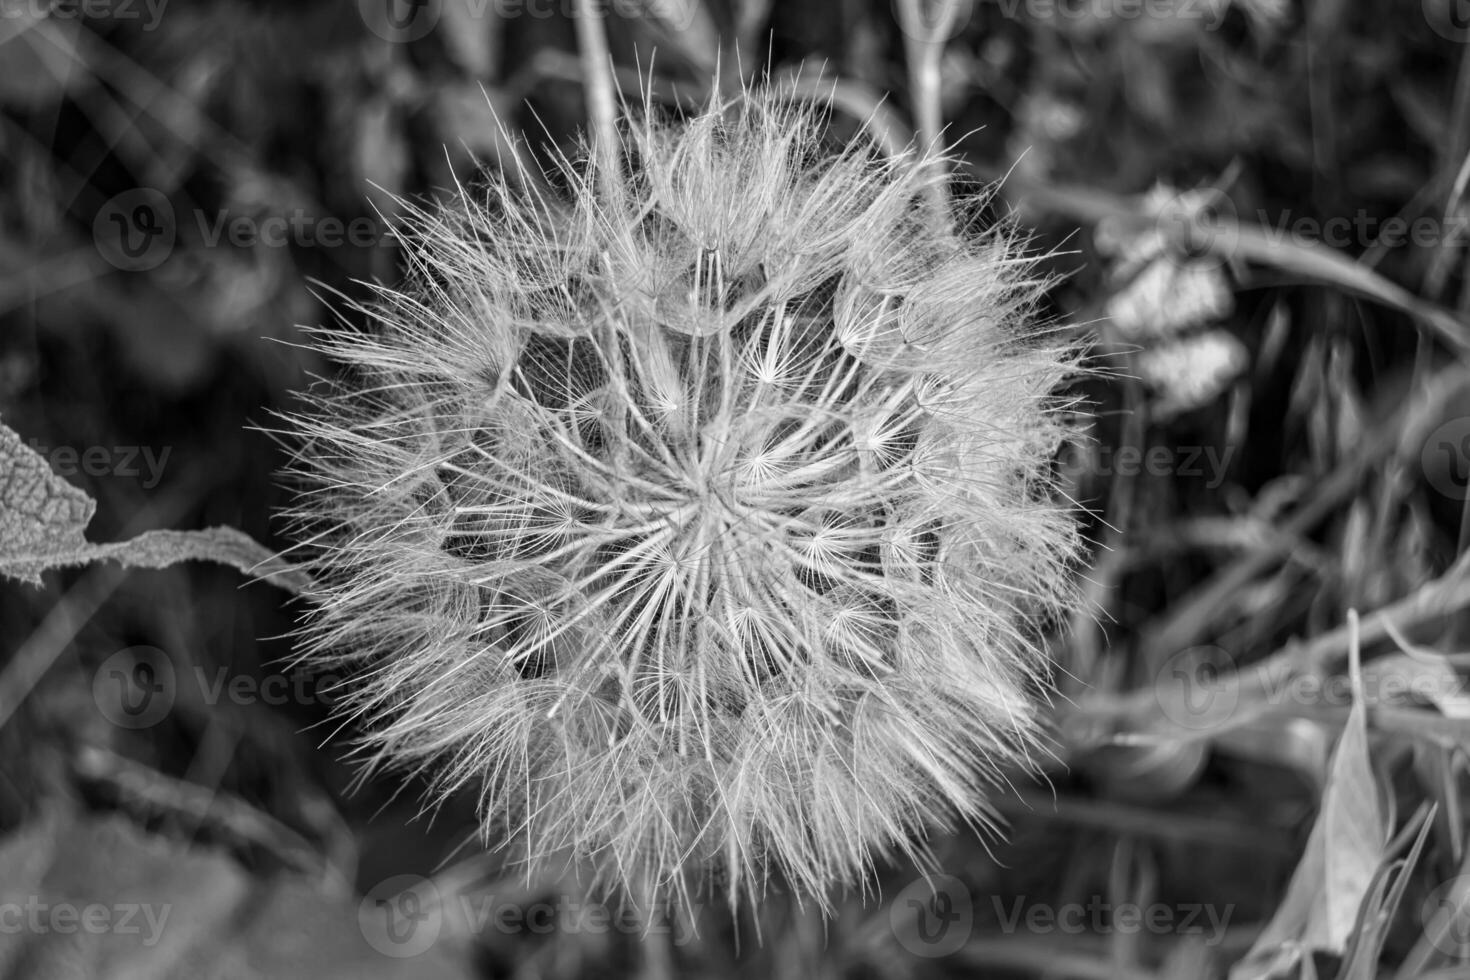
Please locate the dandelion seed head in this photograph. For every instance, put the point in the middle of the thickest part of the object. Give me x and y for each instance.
(703, 524)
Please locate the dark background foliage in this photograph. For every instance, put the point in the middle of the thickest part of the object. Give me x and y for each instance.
(1283, 363)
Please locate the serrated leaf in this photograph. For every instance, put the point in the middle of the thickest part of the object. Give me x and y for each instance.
(42, 517)
(43, 523)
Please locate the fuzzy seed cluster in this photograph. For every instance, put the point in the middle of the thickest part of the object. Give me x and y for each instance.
(696, 516)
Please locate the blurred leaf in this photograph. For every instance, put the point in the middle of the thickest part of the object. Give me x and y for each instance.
(1343, 854)
(1428, 672)
(470, 31)
(378, 160)
(1190, 956)
(1436, 680)
(100, 899)
(1242, 242)
(470, 121)
(688, 27)
(1361, 960)
(751, 17)
(39, 54)
(1150, 772)
(1317, 262)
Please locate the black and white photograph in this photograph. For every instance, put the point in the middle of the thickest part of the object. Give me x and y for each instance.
(787, 489)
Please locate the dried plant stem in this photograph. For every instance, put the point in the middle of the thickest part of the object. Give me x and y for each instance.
(1194, 614)
(924, 48)
(601, 104)
(750, 17)
(859, 101)
(156, 792)
(1080, 961)
(1435, 600)
(55, 634)
(1462, 547)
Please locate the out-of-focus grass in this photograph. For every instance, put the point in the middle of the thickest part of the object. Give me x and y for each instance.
(1281, 435)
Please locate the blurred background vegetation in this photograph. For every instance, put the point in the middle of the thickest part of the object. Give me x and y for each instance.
(1282, 435)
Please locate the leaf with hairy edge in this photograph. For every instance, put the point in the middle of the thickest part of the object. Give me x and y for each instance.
(43, 523)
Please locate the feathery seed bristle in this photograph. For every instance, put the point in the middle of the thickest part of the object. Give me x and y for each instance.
(704, 525)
